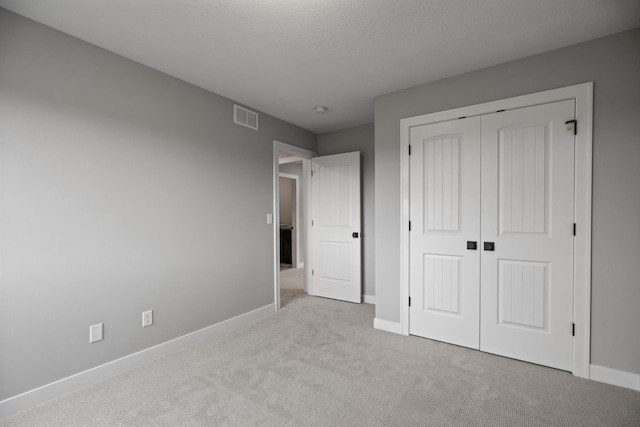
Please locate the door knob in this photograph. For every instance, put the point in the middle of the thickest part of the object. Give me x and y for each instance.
(354, 235)
(489, 246)
(472, 245)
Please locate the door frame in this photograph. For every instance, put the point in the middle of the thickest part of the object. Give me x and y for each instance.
(295, 251)
(583, 96)
(305, 156)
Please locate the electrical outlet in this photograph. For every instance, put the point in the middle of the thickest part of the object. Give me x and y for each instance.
(95, 332)
(269, 218)
(147, 318)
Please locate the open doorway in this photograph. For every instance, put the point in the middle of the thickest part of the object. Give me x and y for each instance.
(291, 230)
(291, 222)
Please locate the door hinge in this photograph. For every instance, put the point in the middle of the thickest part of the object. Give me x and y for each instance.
(409, 225)
(312, 172)
(574, 228)
(409, 149)
(573, 330)
(312, 223)
(313, 273)
(409, 301)
(575, 125)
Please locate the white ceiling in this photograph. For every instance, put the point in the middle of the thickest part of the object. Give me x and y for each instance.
(284, 57)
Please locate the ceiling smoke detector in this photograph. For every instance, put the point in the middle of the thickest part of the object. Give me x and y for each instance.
(320, 110)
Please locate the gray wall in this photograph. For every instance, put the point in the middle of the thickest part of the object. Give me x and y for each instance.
(613, 64)
(121, 190)
(360, 138)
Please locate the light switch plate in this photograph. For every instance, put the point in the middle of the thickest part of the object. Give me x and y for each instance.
(95, 332)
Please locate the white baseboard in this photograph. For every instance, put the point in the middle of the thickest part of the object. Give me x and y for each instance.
(369, 299)
(47, 392)
(385, 325)
(614, 377)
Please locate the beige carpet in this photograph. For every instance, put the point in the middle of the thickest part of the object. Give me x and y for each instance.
(291, 285)
(319, 362)
(292, 278)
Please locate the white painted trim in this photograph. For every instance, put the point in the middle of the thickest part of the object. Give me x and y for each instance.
(308, 230)
(369, 299)
(582, 241)
(404, 227)
(288, 175)
(305, 155)
(613, 376)
(583, 95)
(47, 392)
(387, 326)
(291, 159)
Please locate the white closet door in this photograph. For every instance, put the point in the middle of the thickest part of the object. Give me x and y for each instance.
(527, 214)
(336, 226)
(445, 215)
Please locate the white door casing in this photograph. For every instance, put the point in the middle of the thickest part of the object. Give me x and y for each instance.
(335, 184)
(527, 214)
(305, 156)
(583, 96)
(445, 215)
(522, 160)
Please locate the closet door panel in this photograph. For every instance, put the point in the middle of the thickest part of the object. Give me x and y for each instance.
(445, 215)
(527, 163)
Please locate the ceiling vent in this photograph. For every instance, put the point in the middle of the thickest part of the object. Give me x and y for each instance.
(245, 117)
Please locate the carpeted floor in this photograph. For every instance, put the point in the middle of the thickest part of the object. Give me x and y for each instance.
(291, 285)
(319, 362)
(292, 278)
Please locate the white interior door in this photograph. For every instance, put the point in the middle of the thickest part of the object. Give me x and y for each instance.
(445, 215)
(527, 214)
(335, 218)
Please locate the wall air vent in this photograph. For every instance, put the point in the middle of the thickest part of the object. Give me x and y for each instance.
(245, 117)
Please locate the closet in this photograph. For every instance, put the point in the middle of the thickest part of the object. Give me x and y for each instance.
(491, 244)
